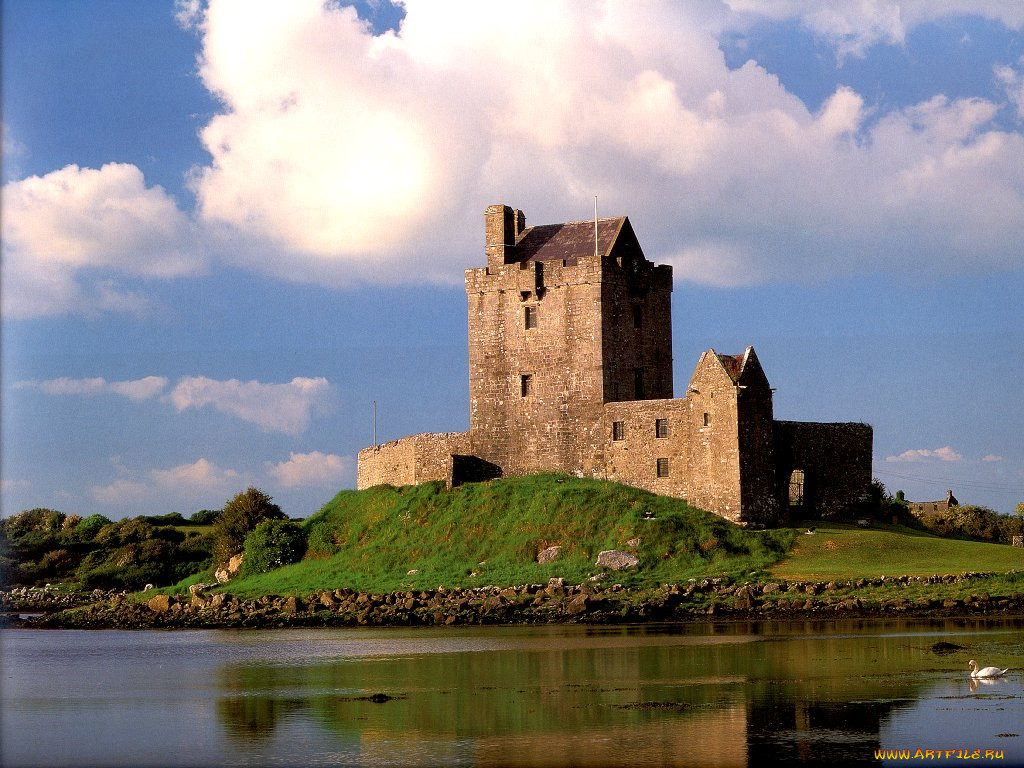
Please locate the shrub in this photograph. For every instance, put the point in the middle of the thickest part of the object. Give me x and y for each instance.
(205, 517)
(240, 516)
(271, 544)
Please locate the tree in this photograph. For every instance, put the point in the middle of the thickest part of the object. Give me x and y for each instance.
(241, 515)
(271, 544)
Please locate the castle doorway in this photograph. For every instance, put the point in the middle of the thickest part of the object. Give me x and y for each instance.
(796, 490)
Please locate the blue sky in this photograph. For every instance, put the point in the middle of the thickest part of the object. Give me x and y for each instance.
(229, 227)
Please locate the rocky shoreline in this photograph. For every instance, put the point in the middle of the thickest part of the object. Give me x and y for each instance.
(555, 602)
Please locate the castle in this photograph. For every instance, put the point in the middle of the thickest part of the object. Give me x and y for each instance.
(570, 370)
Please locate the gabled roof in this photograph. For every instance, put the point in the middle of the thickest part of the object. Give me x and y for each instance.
(568, 241)
(733, 365)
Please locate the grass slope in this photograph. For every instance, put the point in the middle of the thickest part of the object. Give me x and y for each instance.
(490, 533)
(838, 551)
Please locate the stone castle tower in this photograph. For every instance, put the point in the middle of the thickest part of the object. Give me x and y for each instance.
(570, 370)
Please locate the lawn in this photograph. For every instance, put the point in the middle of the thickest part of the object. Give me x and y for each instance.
(840, 551)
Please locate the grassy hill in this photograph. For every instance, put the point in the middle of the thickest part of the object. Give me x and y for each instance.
(838, 551)
(387, 539)
(491, 533)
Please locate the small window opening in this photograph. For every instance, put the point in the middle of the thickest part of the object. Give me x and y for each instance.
(662, 467)
(661, 427)
(638, 383)
(531, 317)
(526, 384)
(618, 430)
(707, 419)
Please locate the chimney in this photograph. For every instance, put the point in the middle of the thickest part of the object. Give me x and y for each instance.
(502, 226)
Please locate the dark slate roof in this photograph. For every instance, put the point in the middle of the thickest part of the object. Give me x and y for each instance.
(567, 241)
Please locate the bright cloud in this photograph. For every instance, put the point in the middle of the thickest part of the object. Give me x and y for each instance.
(923, 454)
(382, 151)
(202, 474)
(314, 468)
(137, 389)
(199, 480)
(992, 458)
(286, 408)
(72, 236)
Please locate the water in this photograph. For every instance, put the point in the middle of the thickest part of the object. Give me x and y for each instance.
(739, 694)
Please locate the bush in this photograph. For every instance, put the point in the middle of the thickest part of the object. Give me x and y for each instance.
(240, 516)
(271, 544)
(205, 517)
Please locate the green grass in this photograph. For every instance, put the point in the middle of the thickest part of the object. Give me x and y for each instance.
(490, 533)
(838, 551)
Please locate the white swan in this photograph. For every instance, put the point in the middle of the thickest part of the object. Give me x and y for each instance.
(987, 671)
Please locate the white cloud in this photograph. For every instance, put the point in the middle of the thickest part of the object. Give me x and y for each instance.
(1012, 81)
(72, 236)
(382, 151)
(853, 27)
(923, 454)
(314, 468)
(286, 408)
(201, 474)
(120, 491)
(189, 481)
(136, 389)
(992, 458)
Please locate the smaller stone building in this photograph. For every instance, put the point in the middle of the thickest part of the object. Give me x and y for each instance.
(570, 370)
(933, 508)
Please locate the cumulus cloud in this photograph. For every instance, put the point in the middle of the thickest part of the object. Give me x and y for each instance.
(381, 151)
(71, 237)
(200, 474)
(136, 389)
(314, 468)
(852, 28)
(923, 454)
(286, 408)
(1012, 80)
(196, 480)
(992, 458)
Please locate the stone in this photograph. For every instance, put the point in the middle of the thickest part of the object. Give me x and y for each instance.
(235, 564)
(556, 586)
(222, 576)
(616, 560)
(548, 555)
(161, 603)
(634, 543)
(577, 605)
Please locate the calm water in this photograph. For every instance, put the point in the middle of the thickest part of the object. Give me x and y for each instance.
(701, 694)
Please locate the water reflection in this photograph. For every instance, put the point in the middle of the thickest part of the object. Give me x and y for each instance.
(725, 694)
(736, 694)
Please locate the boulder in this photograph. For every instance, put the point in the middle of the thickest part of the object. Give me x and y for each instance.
(161, 603)
(549, 554)
(556, 586)
(616, 560)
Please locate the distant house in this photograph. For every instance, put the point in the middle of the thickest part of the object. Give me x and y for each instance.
(933, 508)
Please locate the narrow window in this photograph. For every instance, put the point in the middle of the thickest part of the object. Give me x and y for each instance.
(707, 419)
(526, 384)
(662, 467)
(638, 316)
(618, 430)
(796, 488)
(661, 427)
(531, 317)
(638, 383)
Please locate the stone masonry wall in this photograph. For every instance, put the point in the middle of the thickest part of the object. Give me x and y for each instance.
(410, 460)
(633, 458)
(835, 458)
(551, 422)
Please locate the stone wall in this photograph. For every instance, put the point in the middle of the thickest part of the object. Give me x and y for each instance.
(633, 457)
(415, 459)
(835, 459)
